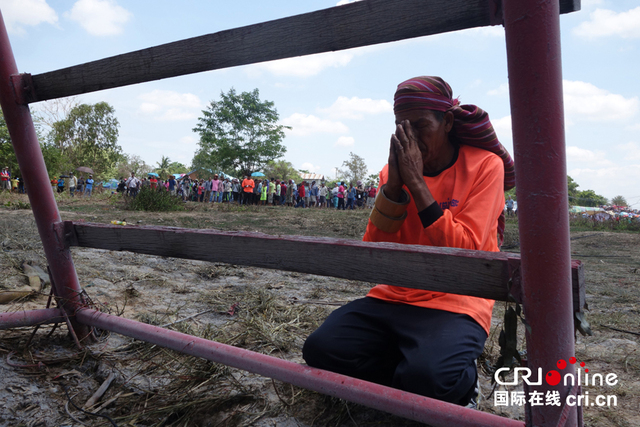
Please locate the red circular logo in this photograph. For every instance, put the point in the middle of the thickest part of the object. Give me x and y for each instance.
(553, 378)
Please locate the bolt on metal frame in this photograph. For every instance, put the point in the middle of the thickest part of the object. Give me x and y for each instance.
(535, 81)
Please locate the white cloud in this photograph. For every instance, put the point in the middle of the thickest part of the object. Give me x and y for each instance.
(99, 17)
(584, 101)
(631, 150)
(502, 126)
(356, 108)
(609, 181)
(20, 13)
(166, 105)
(491, 31)
(605, 23)
(304, 125)
(302, 66)
(188, 140)
(310, 167)
(501, 90)
(581, 155)
(343, 2)
(345, 141)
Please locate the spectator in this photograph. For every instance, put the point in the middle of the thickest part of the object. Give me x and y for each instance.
(360, 195)
(371, 197)
(73, 183)
(227, 191)
(341, 192)
(133, 185)
(215, 182)
(322, 192)
(235, 188)
(88, 187)
(247, 190)
(172, 185)
(5, 177)
(80, 186)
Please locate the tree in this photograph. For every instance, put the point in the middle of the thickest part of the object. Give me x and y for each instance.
(619, 201)
(177, 167)
(354, 169)
(88, 136)
(52, 156)
(572, 187)
(239, 133)
(281, 169)
(163, 167)
(589, 198)
(373, 178)
(132, 163)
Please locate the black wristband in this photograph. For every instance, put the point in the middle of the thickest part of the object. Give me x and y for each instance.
(430, 214)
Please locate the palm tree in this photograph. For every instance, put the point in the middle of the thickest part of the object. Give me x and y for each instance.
(163, 167)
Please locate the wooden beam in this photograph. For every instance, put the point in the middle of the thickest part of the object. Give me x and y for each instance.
(343, 27)
(458, 271)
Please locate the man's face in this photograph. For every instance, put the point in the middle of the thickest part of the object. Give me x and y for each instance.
(430, 133)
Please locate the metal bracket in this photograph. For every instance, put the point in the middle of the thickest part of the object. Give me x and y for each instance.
(495, 12)
(23, 88)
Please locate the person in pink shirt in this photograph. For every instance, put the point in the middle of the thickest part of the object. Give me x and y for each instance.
(341, 191)
(215, 183)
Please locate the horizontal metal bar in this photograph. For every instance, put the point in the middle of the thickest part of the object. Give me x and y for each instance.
(397, 402)
(18, 319)
(352, 25)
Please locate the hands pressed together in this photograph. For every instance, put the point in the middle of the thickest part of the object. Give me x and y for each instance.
(406, 166)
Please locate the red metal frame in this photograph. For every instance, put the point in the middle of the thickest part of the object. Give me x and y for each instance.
(535, 86)
(534, 62)
(34, 173)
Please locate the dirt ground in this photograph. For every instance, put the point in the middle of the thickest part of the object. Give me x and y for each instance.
(44, 377)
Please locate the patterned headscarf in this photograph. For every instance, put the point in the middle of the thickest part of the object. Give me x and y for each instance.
(471, 124)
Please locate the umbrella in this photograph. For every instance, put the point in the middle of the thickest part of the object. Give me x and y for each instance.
(84, 169)
(153, 174)
(257, 174)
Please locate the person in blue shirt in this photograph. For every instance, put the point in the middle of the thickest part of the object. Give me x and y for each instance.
(88, 186)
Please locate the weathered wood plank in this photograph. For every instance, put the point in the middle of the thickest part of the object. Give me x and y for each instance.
(337, 28)
(459, 271)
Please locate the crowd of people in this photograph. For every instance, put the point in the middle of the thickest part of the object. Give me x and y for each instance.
(73, 185)
(263, 192)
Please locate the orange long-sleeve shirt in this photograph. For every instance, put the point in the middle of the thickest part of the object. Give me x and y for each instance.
(471, 196)
(247, 185)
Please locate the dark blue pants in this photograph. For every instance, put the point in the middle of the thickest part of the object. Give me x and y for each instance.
(420, 350)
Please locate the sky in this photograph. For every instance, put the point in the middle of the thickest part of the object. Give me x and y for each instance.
(341, 102)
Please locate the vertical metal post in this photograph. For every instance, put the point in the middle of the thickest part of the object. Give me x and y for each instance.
(535, 87)
(34, 173)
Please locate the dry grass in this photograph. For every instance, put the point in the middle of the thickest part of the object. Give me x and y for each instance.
(272, 313)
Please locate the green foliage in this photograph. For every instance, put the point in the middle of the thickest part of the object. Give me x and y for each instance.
(17, 204)
(238, 133)
(281, 169)
(588, 198)
(154, 201)
(583, 198)
(88, 136)
(373, 178)
(354, 169)
(7, 155)
(589, 223)
(53, 158)
(511, 193)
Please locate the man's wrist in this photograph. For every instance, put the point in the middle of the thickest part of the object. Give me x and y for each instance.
(393, 192)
